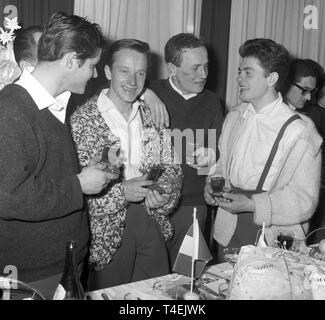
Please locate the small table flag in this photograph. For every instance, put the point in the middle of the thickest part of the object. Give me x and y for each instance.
(193, 246)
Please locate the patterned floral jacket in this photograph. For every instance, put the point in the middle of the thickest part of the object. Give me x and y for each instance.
(107, 210)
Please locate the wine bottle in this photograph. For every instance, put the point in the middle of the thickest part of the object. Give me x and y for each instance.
(70, 287)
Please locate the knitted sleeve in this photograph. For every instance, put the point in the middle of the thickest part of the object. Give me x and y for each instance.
(25, 194)
(295, 197)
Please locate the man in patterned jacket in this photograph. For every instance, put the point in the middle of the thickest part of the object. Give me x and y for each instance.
(129, 221)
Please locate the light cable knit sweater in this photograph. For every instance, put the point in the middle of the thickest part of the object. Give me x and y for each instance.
(293, 195)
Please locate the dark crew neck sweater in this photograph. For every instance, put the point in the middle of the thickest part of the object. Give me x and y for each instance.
(201, 112)
(41, 201)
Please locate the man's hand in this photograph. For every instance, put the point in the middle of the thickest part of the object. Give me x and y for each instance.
(158, 110)
(209, 199)
(93, 180)
(155, 200)
(201, 158)
(135, 189)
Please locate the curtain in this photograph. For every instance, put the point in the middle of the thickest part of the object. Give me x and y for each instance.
(280, 20)
(8, 8)
(35, 12)
(215, 33)
(152, 21)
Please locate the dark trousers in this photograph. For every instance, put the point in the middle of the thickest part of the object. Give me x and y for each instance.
(318, 220)
(142, 253)
(182, 219)
(245, 233)
(48, 286)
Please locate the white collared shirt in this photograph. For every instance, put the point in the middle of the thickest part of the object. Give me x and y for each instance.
(258, 133)
(129, 132)
(42, 98)
(185, 96)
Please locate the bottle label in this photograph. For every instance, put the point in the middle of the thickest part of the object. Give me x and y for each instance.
(59, 293)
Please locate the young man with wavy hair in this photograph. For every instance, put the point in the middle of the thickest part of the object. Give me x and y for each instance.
(41, 185)
(269, 155)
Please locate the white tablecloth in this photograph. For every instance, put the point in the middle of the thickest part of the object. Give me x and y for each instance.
(170, 287)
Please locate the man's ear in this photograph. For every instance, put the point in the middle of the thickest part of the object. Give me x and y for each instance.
(171, 68)
(71, 61)
(108, 73)
(272, 79)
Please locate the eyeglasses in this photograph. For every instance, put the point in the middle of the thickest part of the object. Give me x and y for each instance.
(305, 91)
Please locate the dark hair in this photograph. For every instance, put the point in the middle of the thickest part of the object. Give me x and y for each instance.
(300, 68)
(25, 46)
(63, 34)
(272, 56)
(133, 44)
(176, 44)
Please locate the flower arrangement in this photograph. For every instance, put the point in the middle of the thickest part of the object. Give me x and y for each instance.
(9, 70)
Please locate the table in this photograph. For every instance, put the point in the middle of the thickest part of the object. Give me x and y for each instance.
(211, 286)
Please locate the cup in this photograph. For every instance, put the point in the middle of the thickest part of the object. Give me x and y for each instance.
(217, 185)
(230, 254)
(285, 240)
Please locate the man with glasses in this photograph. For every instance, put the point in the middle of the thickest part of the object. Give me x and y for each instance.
(302, 81)
(305, 90)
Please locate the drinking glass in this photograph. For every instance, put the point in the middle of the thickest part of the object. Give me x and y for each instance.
(285, 240)
(217, 186)
(230, 254)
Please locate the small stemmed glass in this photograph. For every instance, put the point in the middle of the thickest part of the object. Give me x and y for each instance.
(230, 254)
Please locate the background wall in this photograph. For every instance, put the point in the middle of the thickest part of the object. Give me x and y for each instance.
(283, 21)
(223, 24)
(34, 12)
(215, 28)
(152, 21)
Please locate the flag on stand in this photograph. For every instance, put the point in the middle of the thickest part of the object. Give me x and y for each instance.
(261, 241)
(193, 247)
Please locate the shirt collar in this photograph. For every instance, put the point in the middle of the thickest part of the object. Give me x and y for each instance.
(105, 104)
(42, 98)
(266, 110)
(185, 96)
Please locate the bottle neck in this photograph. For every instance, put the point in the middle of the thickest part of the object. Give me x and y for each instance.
(70, 267)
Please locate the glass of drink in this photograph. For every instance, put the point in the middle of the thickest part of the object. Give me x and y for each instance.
(285, 240)
(217, 186)
(230, 254)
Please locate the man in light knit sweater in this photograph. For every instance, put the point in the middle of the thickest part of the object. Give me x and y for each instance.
(41, 186)
(196, 114)
(269, 155)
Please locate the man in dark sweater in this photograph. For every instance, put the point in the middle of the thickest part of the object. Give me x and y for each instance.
(41, 186)
(196, 114)
(304, 79)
